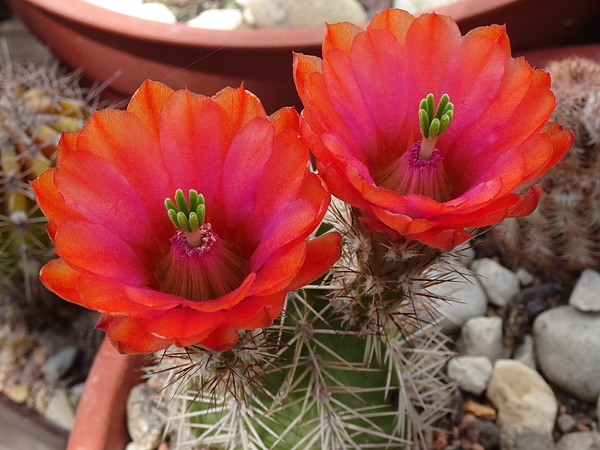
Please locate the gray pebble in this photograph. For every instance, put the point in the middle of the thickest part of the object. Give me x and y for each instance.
(59, 364)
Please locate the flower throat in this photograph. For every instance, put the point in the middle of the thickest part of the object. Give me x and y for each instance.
(199, 266)
(420, 170)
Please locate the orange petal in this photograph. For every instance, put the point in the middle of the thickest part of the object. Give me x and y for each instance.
(397, 21)
(340, 36)
(147, 102)
(495, 32)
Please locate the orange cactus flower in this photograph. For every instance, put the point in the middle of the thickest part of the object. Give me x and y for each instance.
(418, 170)
(241, 205)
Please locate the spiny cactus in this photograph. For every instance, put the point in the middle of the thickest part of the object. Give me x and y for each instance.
(561, 238)
(36, 105)
(347, 366)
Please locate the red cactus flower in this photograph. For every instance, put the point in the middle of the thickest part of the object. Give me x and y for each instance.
(224, 253)
(414, 170)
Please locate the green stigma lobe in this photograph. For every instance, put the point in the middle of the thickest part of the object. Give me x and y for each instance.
(433, 122)
(186, 214)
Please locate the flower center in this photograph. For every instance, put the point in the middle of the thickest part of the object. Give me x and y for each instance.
(412, 174)
(420, 170)
(199, 266)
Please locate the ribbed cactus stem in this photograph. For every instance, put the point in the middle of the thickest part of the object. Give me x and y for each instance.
(561, 237)
(37, 104)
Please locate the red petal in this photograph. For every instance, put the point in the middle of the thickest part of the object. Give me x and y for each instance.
(379, 67)
(220, 340)
(183, 324)
(51, 202)
(292, 221)
(99, 251)
(321, 253)
(289, 156)
(256, 312)
(114, 203)
(123, 141)
(243, 169)
(129, 336)
(61, 279)
(277, 274)
(188, 123)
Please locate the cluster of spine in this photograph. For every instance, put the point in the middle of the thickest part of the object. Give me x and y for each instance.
(36, 105)
(348, 365)
(562, 237)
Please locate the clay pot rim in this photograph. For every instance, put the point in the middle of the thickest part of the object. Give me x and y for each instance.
(96, 17)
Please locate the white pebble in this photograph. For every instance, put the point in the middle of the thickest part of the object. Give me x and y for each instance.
(472, 373)
(586, 294)
(500, 284)
(218, 19)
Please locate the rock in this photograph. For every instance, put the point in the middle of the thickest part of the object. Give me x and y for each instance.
(489, 434)
(440, 442)
(14, 349)
(525, 278)
(75, 393)
(120, 6)
(526, 406)
(499, 283)
(482, 336)
(465, 253)
(461, 297)
(587, 440)
(566, 423)
(59, 364)
(512, 438)
(525, 352)
(586, 293)
(137, 8)
(60, 411)
(218, 19)
(472, 373)
(156, 12)
(480, 411)
(305, 13)
(143, 423)
(568, 350)
(598, 409)
(416, 6)
(18, 393)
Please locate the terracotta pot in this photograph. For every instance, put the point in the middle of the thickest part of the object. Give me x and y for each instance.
(100, 423)
(104, 43)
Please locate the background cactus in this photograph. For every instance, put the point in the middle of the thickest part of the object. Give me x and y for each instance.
(562, 237)
(36, 105)
(347, 366)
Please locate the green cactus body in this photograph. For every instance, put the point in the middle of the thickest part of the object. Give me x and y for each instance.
(562, 237)
(337, 371)
(36, 105)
